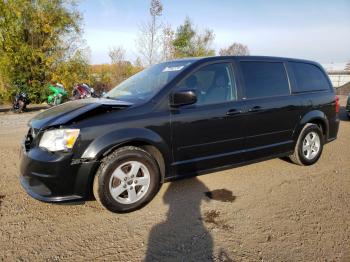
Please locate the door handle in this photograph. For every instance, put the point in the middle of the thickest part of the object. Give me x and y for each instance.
(233, 112)
(255, 109)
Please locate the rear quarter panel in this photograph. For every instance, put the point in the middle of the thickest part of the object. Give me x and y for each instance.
(316, 106)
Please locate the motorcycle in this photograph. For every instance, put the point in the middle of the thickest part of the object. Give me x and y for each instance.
(82, 91)
(20, 102)
(58, 96)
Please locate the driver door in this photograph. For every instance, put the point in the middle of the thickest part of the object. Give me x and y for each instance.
(209, 133)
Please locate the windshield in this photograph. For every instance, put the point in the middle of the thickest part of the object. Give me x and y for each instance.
(146, 84)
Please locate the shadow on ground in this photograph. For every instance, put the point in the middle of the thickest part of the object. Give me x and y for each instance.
(183, 235)
(1, 198)
(29, 109)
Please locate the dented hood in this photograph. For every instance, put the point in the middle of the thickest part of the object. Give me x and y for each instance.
(68, 112)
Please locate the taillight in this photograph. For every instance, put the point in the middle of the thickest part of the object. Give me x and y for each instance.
(337, 104)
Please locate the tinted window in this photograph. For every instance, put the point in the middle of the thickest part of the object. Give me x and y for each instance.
(264, 79)
(212, 84)
(309, 77)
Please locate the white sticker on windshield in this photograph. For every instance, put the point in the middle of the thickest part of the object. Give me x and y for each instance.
(172, 68)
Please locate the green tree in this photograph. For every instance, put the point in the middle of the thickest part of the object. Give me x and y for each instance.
(36, 38)
(73, 71)
(190, 43)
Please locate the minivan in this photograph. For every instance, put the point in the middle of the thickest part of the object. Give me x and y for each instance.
(177, 119)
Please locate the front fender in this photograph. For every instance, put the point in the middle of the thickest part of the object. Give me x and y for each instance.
(115, 138)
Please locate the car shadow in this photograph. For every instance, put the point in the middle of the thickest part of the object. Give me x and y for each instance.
(183, 235)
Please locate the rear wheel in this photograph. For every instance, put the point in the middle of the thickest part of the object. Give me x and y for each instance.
(126, 180)
(309, 146)
(19, 106)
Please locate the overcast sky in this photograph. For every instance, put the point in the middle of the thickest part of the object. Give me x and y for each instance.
(310, 29)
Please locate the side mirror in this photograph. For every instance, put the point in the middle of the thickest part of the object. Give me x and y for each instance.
(183, 97)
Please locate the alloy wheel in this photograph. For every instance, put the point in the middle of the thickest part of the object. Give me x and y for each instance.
(311, 145)
(129, 182)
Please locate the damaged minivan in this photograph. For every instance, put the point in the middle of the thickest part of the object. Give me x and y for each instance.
(177, 119)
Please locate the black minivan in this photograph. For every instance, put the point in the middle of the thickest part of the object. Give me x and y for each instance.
(175, 119)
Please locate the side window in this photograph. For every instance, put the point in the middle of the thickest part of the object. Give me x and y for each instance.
(263, 79)
(308, 77)
(213, 84)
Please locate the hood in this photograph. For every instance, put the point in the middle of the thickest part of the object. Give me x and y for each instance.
(71, 111)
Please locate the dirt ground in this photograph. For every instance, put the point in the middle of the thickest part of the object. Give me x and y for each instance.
(269, 211)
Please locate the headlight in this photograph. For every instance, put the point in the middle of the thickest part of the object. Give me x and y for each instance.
(59, 139)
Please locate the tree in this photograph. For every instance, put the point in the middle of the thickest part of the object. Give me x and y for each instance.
(120, 68)
(148, 42)
(72, 71)
(101, 77)
(167, 43)
(35, 38)
(347, 66)
(117, 54)
(236, 49)
(138, 63)
(189, 43)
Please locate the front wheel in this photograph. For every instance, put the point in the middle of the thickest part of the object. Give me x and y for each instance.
(309, 146)
(127, 179)
(57, 100)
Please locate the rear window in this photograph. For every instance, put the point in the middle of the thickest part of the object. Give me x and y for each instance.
(263, 79)
(308, 78)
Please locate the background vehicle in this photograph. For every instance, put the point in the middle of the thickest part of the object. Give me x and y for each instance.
(176, 119)
(58, 94)
(82, 91)
(20, 102)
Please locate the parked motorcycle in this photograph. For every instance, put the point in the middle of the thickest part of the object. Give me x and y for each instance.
(58, 94)
(82, 91)
(20, 102)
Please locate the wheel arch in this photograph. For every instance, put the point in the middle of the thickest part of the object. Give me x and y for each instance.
(314, 117)
(148, 147)
(146, 139)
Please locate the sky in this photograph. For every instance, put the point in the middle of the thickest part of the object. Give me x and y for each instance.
(311, 29)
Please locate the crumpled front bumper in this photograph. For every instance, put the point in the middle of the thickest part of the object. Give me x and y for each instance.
(52, 177)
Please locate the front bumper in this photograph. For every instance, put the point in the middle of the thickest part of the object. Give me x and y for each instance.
(52, 177)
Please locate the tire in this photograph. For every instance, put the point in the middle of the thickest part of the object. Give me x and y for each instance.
(55, 101)
(306, 153)
(18, 108)
(117, 186)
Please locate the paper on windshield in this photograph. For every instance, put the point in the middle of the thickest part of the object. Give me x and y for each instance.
(172, 68)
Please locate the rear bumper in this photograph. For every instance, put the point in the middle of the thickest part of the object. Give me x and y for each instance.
(52, 177)
(333, 130)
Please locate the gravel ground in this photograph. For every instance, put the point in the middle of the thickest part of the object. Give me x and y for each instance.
(270, 211)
